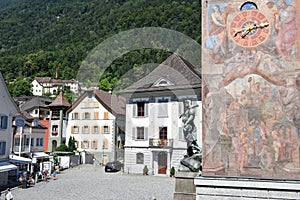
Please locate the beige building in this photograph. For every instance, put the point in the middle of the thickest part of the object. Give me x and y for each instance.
(96, 121)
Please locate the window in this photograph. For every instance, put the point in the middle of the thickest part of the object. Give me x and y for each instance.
(94, 144)
(85, 144)
(163, 133)
(39, 142)
(75, 129)
(105, 144)
(141, 109)
(17, 141)
(55, 130)
(85, 129)
(105, 116)
(2, 147)
(105, 129)
(27, 141)
(55, 114)
(3, 122)
(140, 133)
(139, 158)
(86, 115)
(163, 110)
(96, 104)
(95, 129)
(75, 116)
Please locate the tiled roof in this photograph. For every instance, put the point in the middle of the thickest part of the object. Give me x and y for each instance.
(175, 69)
(43, 79)
(112, 102)
(50, 80)
(60, 101)
(36, 101)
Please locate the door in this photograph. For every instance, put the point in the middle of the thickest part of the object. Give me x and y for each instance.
(162, 162)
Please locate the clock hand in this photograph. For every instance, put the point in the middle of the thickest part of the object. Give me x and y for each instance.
(253, 27)
(236, 32)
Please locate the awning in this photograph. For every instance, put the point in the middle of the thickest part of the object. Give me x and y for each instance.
(5, 166)
(19, 159)
(40, 155)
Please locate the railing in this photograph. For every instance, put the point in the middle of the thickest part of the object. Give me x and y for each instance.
(54, 133)
(160, 142)
(23, 149)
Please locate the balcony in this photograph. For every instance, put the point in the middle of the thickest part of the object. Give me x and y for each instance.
(161, 143)
(24, 149)
(55, 133)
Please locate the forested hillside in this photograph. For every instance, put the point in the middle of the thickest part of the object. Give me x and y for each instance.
(40, 37)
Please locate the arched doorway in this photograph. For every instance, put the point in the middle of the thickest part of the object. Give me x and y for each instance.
(162, 162)
(54, 145)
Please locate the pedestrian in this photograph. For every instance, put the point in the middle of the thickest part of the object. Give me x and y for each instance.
(54, 175)
(9, 195)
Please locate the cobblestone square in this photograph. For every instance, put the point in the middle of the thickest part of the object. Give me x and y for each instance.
(91, 182)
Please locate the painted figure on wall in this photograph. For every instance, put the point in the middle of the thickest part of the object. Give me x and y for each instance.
(218, 38)
(251, 101)
(286, 27)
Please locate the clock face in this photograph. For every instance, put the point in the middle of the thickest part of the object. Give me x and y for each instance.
(249, 28)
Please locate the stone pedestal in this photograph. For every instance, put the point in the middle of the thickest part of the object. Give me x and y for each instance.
(218, 188)
(185, 188)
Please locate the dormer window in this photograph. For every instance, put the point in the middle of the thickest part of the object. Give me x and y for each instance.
(162, 82)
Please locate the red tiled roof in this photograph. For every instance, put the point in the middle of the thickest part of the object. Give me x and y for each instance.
(43, 79)
(60, 100)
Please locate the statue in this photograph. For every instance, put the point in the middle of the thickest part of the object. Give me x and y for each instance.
(193, 159)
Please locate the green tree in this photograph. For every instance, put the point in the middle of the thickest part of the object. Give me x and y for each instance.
(62, 147)
(20, 87)
(71, 144)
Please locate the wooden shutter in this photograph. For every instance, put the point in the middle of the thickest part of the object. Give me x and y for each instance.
(134, 110)
(96, 115)
(72, 129)
(133, 133)
(146, 109)
(180, 132)
(4, 122)
(146, 133)
(105, 115)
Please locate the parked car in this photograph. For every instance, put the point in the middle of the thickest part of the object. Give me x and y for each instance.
(113, 166)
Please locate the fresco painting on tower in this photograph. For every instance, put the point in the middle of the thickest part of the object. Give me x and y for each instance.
(251, 88)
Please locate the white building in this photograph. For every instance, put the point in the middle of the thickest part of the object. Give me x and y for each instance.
(95, 122)
(154, 135)
(7, 108)
(44, 85)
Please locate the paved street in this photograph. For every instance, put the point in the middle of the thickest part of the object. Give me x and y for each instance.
(91, 182)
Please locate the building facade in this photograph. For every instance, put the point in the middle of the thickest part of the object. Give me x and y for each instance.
(7, 109)
(57, 122)
(95, 122)
(47, 85)
(154, 134)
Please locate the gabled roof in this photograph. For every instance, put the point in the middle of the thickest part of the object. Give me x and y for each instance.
(60, 101)
(112, 102)
(175, 70)
(43, 79)
(50, 80)
(36, 102)
(6, 97)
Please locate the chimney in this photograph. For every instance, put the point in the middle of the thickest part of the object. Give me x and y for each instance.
(56, 75)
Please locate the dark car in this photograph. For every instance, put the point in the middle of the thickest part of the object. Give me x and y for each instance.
(113, 166)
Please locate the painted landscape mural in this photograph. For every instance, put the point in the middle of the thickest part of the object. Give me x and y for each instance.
(251, 93)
